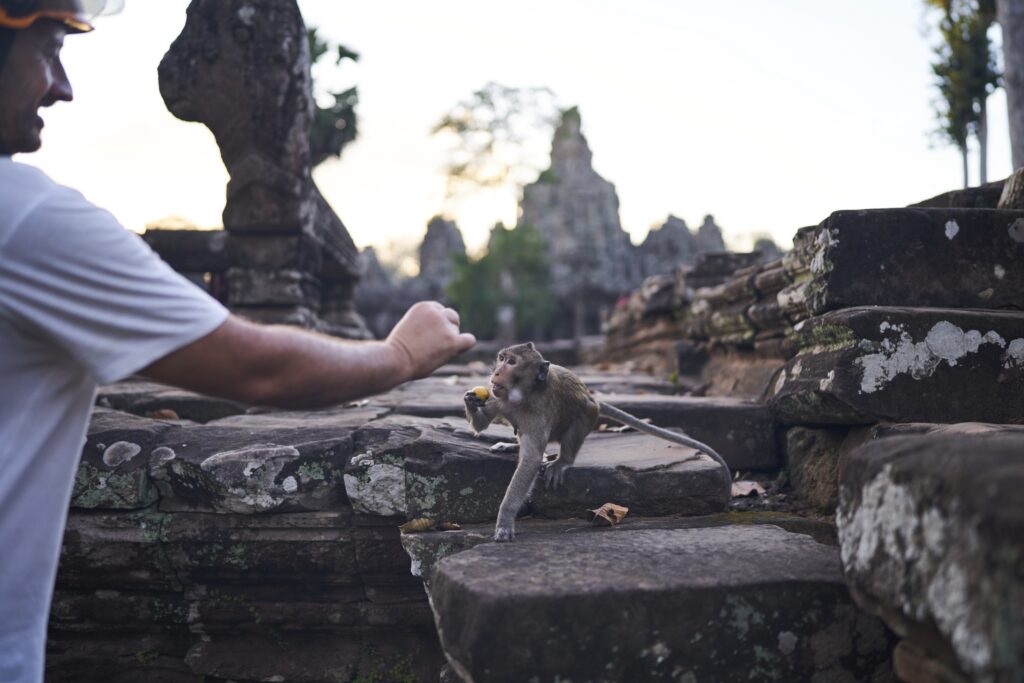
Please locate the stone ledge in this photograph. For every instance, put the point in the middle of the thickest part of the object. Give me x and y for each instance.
(933, 542)
(627, 604)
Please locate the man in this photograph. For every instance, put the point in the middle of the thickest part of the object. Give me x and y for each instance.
(84, 301)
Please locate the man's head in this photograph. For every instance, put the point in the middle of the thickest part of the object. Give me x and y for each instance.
(31, 74)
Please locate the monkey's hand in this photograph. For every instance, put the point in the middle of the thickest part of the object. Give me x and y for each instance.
(473, 401)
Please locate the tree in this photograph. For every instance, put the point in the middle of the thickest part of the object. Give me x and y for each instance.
(1011, 19)
(334, 125)
(966, 74)
(495, 137)
(513, 274)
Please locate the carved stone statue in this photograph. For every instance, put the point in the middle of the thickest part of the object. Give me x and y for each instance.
(241, 67)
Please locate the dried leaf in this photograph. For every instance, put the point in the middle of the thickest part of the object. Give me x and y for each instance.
(741, 489)
(621, 428)
(608, 514)
(414, 526)
(448, 526)
(162, 414)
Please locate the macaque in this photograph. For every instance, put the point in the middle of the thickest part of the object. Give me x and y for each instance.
(544, 403)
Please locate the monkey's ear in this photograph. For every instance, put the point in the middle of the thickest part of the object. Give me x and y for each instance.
(530, 346)
(542, 373)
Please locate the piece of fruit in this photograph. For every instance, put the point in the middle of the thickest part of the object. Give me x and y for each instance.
(481, 393)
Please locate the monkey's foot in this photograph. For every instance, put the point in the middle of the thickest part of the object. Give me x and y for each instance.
(554, 474)
(504, 534)
(505, 447)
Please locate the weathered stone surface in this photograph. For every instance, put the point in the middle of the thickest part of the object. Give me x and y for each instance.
(814, 459)
(446, 474)
(276, 252)
(907, 257)
(150, 399)
(272, 288)
(742, 431)
(863, 365)
(980, 197)
(932, 541)
(426, 549)
(254, 465)
(655, 605)
(114, 469)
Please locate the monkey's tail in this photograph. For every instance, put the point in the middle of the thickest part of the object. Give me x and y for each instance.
(621, 416)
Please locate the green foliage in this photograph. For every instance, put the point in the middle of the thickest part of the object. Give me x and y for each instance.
(334, 125)
(496, 136)
(514, 272)
(966, 70)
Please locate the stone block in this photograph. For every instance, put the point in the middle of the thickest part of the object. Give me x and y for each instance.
(276, 252)
(118, 657)
(665, 604)
(932, 541)
(741, 430)
(413, 469)
(250, 287)
(870, 364)
(957, 258)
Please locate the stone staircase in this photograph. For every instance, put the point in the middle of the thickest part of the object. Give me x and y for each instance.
(211, 542)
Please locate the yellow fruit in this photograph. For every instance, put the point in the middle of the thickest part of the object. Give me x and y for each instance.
(481, 393)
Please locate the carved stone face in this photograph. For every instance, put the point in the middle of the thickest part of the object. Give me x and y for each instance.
(242, 68)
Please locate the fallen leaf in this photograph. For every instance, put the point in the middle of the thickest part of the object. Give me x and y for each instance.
(608, 514)
(741, 489)
(162, 414)
(448, 526)
(417, 525)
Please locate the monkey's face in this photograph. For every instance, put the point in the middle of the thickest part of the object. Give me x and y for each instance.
(517, 372)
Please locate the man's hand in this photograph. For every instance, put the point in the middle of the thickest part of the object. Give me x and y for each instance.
(426, 337)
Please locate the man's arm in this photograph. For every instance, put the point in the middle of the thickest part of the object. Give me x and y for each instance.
(293, 368)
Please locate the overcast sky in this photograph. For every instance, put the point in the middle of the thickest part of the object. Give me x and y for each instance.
(768, 115)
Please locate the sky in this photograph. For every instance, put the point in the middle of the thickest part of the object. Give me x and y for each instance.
(768, 115)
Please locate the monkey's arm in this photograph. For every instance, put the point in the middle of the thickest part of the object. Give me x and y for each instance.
(621, 416)
(479, 413)
(531, 455)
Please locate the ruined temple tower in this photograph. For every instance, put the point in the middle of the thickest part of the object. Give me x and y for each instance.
(577, 214)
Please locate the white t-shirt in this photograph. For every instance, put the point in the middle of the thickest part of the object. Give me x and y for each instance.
(82, 302)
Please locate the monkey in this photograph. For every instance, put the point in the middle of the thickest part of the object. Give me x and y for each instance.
(544, 402)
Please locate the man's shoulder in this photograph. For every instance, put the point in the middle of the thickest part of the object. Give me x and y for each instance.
(23, 177)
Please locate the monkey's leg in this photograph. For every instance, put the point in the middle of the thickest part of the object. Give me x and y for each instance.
(572, 441)
(531, 453)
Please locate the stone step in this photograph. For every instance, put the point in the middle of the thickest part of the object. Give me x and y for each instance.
(673, 600)
(741, 430)
(442, 471)
(932, 540)
(871, 364)
(963, 258)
